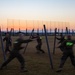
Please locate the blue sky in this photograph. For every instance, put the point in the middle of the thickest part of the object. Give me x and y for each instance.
(54, 10)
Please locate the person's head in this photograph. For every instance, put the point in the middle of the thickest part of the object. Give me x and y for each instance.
(37, 34)
(61, 34)
(7, 35)
(21, 35)
(69, 37)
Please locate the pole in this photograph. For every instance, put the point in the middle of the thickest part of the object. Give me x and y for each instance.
(66, 30)
(13, 27)
(26, 28)
(7, 25)
(50, 27)
(51, 63)
(27, 43)
(19, 27)
(38, 26)
(2, 45)
(54, 41)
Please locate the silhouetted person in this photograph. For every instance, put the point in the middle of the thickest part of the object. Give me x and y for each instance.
(8, 41)
(39, 43)
(61, 39)
(15, 53)
(67, 52)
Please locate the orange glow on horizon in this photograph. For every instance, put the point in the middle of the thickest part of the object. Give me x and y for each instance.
(30, 24)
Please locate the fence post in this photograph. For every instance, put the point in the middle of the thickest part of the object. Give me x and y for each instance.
(51, 63)
(54, 41)
(2, 45)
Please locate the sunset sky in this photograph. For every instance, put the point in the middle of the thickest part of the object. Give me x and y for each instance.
(36, 12)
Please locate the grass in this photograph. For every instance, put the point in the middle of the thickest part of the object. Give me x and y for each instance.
(38, 64)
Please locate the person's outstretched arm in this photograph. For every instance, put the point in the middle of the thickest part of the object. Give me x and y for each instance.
(26, 41)
(58, 38)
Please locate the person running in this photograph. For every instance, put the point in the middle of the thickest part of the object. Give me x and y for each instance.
(39, 43)
(67, 52)
(15, 53)
(8, 41)
(61, 39)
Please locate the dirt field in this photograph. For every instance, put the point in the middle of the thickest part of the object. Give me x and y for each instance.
(38, 64)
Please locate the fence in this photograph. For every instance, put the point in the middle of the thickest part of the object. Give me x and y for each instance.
(26, 26)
